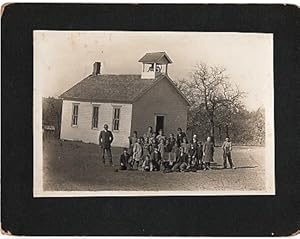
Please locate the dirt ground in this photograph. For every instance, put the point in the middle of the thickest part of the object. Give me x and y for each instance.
(76, 166)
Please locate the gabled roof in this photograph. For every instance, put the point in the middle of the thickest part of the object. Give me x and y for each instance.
(156, 57)
(113, 88)
(108, 88)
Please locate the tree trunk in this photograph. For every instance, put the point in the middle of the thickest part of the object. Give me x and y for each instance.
(220, 133)
(227, 131)
(212, 126)
(212, 130)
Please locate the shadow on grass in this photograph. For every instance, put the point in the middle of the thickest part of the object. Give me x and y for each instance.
(246, 167)
(241, 167)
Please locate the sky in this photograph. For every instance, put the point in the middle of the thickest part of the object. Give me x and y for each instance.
(63, 58)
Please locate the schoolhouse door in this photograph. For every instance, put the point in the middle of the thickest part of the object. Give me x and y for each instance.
(159, 122)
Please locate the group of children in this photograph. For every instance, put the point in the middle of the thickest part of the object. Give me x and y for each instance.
(156, 152)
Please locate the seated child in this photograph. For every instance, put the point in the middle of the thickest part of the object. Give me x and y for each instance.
(137, 153)
(187, 150)
(181, 161)
(155, 158)
(147, 163)
(124, 158)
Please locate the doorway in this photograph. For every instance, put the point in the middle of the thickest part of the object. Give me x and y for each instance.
(159, 122)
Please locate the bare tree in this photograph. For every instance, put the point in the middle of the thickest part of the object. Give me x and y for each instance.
(210, 90)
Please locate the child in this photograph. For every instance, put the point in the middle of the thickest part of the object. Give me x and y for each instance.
(194, 162)
(166, 165)
(147, 164)
(153, 136)
(227, 148)
(124, 158)
(137, 153)
(142, 141)
(161, 148)
(155, 158)
(153, 142)
(132, 141)
(185, 145)
(181, 161)
(176, 150)
(172, 146)
(200, 155)
(169, 149)
(208, 153)
(160, 135)
(180, 136)
(148, 134)
(167, 162)
(146, 149)
(173, 149)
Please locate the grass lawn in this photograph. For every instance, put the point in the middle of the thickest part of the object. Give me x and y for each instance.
(76, 166)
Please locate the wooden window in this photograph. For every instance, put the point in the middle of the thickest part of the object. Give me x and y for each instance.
(75, 115)
(116, 119)
(95, 117)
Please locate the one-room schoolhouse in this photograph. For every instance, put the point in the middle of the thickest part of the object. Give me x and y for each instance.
(126, 103)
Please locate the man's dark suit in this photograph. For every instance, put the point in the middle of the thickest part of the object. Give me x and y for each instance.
(105, 140)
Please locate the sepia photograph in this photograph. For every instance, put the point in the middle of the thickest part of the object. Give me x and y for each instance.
(121, 113)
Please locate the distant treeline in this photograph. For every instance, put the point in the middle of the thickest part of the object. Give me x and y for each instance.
(52, 114)
(244, 128)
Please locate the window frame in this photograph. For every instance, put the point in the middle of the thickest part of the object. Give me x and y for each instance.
(92, 125)
(73, 115)
(114, 119)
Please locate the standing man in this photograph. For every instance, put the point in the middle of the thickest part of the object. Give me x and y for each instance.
(105, 139)
(208, 153)
(227, 148)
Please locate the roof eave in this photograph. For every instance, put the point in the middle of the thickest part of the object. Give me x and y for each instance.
(164, 54)
(97, 100)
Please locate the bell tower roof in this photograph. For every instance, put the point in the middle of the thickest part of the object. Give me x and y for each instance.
(154, 64)
(156, 57)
